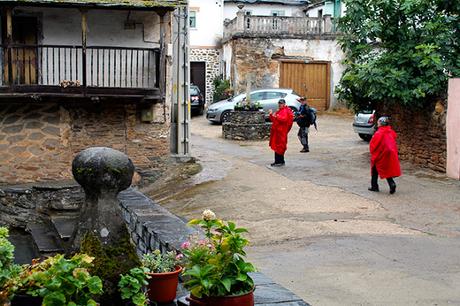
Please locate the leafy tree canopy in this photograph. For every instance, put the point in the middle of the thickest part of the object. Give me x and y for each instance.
(398, 51)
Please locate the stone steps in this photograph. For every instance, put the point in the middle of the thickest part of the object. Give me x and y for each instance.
(64, 224)
(45, 238)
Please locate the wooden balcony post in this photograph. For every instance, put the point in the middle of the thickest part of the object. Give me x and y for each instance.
(84, 35)
(9, 41)
(162, 82)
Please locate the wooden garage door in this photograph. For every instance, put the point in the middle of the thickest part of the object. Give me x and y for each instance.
(310, 80)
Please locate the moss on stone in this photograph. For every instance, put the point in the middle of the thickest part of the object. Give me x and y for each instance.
(109, 263)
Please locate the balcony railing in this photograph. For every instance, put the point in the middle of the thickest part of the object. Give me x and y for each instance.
(275, 26)
(70, 66)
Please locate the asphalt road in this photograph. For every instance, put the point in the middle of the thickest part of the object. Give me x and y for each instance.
(316, 229)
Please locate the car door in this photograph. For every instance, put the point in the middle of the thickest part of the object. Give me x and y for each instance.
(271, 99)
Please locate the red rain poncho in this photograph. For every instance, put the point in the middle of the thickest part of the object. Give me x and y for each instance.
(384, 153)
(282, 123)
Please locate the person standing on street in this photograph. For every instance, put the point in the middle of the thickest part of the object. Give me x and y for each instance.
(303, 120)
(281, 125)
(384, 155)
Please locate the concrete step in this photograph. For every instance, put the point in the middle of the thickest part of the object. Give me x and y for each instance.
(64, 224)
(24, 247)
(45, 238)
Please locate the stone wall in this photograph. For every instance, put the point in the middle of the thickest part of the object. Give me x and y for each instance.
(212, 59)
(421, 135)
(246, 125)
(152, 226)
(261, 59)
(38, 141)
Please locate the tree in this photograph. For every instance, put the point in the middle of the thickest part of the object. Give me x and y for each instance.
(398, 51)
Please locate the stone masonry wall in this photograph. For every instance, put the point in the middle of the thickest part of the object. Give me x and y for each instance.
(39, 141)
(212, 59)
(421, 135)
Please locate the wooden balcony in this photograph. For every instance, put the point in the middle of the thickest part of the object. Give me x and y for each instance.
(278, 27)
(74, 71)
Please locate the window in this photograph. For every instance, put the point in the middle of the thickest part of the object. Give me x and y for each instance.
(192, 19)
(274, 95)
(257, 96)
(320, 13)
(277, 13)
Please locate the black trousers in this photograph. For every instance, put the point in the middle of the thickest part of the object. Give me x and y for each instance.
(279, 159)
(375, 177)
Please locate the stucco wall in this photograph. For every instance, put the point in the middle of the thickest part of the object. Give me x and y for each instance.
(230, 9)
(261, 56)
(209, 23)
(453, 129)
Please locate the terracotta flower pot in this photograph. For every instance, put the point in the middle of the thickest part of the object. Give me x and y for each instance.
(162, 287)
(240, 300)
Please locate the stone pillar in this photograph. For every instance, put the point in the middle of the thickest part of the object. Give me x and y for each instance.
(103, 173)
(453, 129)
(327, 24)
(240, 21)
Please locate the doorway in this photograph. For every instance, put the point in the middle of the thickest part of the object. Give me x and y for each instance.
(198, 76)
(24, 60)
(311, 80)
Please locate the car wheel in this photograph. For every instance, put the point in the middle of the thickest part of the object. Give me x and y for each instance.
(365, 137)
(225, 116)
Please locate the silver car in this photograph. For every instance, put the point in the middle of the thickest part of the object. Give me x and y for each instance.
(364, 124)
(268, 98)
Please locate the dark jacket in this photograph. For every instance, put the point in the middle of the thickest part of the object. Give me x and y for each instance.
(303, 118)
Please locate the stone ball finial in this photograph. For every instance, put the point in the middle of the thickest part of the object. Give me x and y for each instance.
(100, 168)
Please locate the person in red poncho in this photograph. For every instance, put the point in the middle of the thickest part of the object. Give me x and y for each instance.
(282, 122)
(384, 155)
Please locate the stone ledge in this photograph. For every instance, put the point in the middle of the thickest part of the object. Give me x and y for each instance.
(152, 226)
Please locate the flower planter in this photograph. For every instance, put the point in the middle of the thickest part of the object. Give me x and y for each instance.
(240, 300)
(26, 300)
(246, 125)
(162, 287)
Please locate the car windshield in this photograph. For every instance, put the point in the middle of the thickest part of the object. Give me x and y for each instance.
(237, 98)
(194, 91)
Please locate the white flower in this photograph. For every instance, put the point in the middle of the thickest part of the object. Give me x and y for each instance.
(208, 215)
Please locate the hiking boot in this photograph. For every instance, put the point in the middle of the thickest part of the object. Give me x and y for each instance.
(375, 189)
(304, 151)
(392, 188)
(277, 164)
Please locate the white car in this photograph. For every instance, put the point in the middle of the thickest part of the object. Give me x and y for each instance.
(364, 124)
(268, 98)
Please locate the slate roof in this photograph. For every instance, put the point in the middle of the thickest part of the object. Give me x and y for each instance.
(128, 4)
(285, 2)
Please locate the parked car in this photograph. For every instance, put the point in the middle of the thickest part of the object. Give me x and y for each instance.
(364, 124)
(268, 98)
(196, 100)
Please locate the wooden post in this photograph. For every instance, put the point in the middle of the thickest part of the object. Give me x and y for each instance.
(162, 82)
(84, 34)
(9, 41)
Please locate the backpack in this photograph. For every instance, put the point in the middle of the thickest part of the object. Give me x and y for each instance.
(312, 112)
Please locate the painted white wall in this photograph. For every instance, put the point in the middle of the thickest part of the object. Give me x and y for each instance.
(209, 23)
(230, 10)
(227, 58)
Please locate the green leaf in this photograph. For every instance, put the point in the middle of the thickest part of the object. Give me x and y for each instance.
(227, 282)
(54, 299)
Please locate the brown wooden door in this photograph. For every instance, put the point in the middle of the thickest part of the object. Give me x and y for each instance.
(310, 80)
(24, 53)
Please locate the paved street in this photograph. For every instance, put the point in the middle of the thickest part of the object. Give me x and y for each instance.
(316, 229)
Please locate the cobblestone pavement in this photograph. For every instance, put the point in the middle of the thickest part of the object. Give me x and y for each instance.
(316, 229)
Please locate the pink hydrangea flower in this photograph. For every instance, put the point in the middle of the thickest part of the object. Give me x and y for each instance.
(185, 245)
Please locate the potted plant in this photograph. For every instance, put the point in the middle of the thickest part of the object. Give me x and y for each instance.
(8, 270)
(163, 271)
(132, 286)
(246, 105)
(216, 267)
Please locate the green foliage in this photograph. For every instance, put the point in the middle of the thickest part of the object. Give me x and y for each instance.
(398, 51)
(131, 286)
(156, 262)
(216, 265)
(8, 270)
(60, 281)
(110, 263)
(222, 89)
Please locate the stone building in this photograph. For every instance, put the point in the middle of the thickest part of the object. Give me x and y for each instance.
(287, 52)
(77, 74)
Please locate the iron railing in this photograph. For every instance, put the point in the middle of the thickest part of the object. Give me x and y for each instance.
(94, 66)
